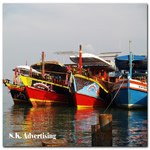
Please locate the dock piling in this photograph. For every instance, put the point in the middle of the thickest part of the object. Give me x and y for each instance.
(105, 121)
(102, 132)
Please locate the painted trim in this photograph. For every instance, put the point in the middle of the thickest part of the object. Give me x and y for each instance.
(15, 87)
(90, 79)
(138, 89)
(131, 84)
(15, 99)
(39, 100)
(138, 83)
(28, 80)
(85, 106)
(74, 83)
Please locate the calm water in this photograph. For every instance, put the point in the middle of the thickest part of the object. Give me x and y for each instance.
(129, 127)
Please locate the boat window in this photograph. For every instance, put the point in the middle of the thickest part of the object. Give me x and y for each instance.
(96, 72)
(102, 73)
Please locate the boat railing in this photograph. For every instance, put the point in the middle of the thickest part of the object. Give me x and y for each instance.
(140, 76)
(142, 79)
(61, 78)
(18, 82)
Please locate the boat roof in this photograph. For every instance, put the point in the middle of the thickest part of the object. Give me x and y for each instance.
(50, 66)
(135, 57)
(26, 69)
(91, 59)
(139, 62)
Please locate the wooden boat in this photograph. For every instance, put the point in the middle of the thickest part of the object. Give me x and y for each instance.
(18, 93)
(17, 89)
(51, 88)
(87, 92)
(95, 67)
(90, 83)
(131, 88)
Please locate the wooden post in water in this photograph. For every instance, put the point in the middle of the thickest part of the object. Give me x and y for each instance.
(102, 132)
(105, 121)
(95, 134)
(55, 143)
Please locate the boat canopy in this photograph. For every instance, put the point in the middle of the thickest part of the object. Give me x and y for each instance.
(50, 66)
(139, 62)
(89, 59)
(26, 69)
(135, 57)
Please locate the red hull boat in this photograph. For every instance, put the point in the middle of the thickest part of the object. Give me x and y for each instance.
(51, 87)
(87, 92)
(40, 97)
(82, 100)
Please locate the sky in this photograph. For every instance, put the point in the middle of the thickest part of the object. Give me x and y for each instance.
(29, 29)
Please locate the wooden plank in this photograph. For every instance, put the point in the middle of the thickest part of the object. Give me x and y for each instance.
(55, 143)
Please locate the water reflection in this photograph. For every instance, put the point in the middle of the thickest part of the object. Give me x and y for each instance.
(65, 122)
(84, 118)
(72, 124)
(129, 127)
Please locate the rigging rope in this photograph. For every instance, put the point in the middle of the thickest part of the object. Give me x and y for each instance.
(114, 96)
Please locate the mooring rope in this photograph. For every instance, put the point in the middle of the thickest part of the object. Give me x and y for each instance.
(114, 96)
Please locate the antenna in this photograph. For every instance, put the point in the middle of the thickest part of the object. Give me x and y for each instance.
(130, 46)
(110, 52)
(66, 52)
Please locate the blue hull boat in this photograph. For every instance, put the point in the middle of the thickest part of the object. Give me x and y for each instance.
(130, 90)
(130, 94)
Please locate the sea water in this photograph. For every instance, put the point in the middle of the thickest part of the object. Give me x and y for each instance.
(28, 126)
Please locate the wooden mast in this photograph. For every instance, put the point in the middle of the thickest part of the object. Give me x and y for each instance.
(43, 67)
(80, 60)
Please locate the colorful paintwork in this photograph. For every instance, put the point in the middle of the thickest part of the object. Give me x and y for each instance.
(42, 92)
(128, 92)
(131, 93)
(86, 92)
(18, 93)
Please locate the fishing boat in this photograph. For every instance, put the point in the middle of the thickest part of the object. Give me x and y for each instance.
(130, 90)
(95, 67)
(16, 88)
(52, 87)
(90, 81)
(17, 92)
(87, 92)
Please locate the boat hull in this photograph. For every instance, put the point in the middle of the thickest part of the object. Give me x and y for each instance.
(87, 91)
(40, 97)
(42, 92)
(18, 94)
(132, 94)
(82, 100)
